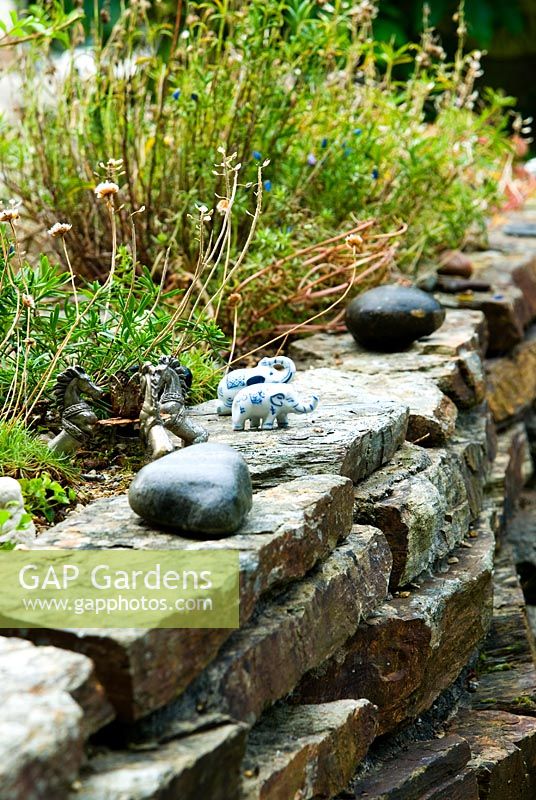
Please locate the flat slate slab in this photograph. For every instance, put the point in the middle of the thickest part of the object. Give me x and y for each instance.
(26, 668)
(352, 435)
(432, 415)
(289, 529)
(423, 516)
(413, 647)
(503, 748)
(204, 765)
(423, 501)
(511, 380)
(521, 536)
(510, 304)
(507, 671)
(424, 770)
(450, 359)
(307, 751)
(41, 744)
(291, 634)
(511, 470)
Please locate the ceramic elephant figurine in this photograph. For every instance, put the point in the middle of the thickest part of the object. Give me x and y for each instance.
(267, 403)
(264, 372)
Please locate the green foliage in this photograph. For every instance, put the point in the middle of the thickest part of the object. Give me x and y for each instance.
(24, 455)
(42, 495)
(353, 128)
(402, 20)
(37, 24)
(44, 327)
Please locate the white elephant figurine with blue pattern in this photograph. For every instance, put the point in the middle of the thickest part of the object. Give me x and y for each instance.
(265, 371)
(264, 404)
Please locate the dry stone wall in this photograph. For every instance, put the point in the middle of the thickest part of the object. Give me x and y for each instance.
(380, 653)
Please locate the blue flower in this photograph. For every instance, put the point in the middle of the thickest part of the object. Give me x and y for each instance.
(194, 96)
(289, 229)
(11, 250)
(324, 143)
(358, 132)
(375, 174)
(176, 94)
(347, 151)
(267, 185)
(256, 155)
(311, 159)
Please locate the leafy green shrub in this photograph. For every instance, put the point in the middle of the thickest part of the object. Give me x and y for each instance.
(42, 495)
(303, 85)
(47, 323)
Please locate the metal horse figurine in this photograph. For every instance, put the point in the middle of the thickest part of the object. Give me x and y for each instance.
(165, 387)
(78, 420)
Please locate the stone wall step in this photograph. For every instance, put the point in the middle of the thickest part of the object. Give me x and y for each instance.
(451, 358)
(511, 380)
(432, 415)
(503, 748)
(27, 669)
(41, 744)
(413, 647)
(291, 634)
(203, 766)
(510, 304)
(289, 529)
(507, 671)
(425, 501)
(429, 770)
(307, 751)
(350, 436)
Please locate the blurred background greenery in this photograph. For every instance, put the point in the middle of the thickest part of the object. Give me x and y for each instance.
(505, 29)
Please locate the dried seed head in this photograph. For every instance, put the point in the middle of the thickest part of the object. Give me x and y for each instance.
(10, 214)
(59, 229)
(106, 189)
(223, 206)
(234, 300)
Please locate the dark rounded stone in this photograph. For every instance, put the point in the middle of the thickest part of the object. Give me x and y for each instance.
(203, 490)
(392, 317)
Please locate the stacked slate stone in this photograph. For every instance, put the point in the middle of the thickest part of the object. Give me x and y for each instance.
(367, 592)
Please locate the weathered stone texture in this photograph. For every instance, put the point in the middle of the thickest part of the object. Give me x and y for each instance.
(292, 634)
(511, 470)
(450, 358)
(204, 766)
(510, 304)
(412, 648)
(350, 436)
(511, 380)
(290, 528)
(507, 679)
(503, 748)
(429, 770)
(432, 415)
(41, 744)
(423, 516)
(521, 536)
(307, 751)
(424, 502)
(26, 668)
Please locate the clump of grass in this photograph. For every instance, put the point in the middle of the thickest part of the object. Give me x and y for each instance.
(24, 455)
